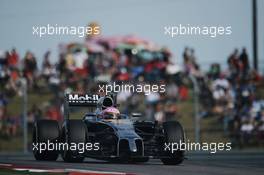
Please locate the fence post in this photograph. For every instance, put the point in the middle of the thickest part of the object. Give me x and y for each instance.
(24, 114)
(196, 108)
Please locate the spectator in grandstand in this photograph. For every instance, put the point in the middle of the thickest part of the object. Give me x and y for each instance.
(54, 113)
(172, 90)
(153, 98)
(190, 64)
(61, 65)
(215, 71)
(13, 58)
(4, 75)
(260, 126)
(3, 59)
(11, 126)
(159, 114)
(46, 66)
(30, 68)
(187, 60)
(183, 92)
(246, 128)
(221, 93)
(54, 81)
(244, 94)
(192, 56)
(233, 65)
(244, 61)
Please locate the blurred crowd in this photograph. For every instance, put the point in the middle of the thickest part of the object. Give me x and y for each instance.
(231, 95)
(235, 97)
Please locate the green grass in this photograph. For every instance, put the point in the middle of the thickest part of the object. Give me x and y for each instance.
(11, 144)
(15, 104)
(186, 117)
(14, 108)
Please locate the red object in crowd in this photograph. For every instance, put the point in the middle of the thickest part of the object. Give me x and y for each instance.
(54, 114)
(149, 67)
(183, 93)
(160, 65)
(13, 59)
(257, 77)
(28, 74)
(123, 77)
(81, 71)
(14, 75)
(155, 64)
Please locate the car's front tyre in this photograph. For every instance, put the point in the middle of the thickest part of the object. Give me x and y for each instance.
(73, 133)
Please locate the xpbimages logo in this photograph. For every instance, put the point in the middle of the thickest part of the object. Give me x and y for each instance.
(59, 146)
(147, 89)
(202, 30)
(80, 31)
(192, 146)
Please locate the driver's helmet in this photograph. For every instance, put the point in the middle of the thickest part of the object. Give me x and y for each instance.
(110, 113)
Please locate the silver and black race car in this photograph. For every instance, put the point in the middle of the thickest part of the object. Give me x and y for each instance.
(105, 134)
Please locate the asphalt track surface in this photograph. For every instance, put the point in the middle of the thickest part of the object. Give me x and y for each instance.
(196, 163)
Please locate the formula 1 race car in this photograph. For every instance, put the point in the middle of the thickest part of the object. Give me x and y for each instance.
(111, 136)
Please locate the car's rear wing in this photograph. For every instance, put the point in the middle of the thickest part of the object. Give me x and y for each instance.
(88, 100)
(82, 100)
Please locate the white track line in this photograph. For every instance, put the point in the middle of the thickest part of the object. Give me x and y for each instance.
(5, 164)
(40, 170)
(36, 170)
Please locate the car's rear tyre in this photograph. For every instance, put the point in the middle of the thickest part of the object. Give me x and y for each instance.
(174, 133)
(45, 131)
(74, 134)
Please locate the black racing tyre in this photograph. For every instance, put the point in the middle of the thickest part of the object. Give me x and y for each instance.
(174, 133)
(45, 131)
(74, 134)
